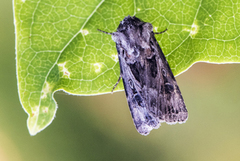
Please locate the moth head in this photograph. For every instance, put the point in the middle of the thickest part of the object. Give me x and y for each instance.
(128, 23)
(133, 23)
(133, 35)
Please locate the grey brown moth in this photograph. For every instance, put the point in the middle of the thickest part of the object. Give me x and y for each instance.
(152, 92)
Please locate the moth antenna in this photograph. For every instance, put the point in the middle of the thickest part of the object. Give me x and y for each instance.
(160, 32)
(109, 33)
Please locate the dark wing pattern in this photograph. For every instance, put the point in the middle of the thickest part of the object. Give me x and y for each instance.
(151, 89)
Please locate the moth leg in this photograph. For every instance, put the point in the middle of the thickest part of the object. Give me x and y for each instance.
(117, 83)
(160, 32)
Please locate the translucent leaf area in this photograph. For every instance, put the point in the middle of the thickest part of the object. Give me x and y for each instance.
(58, 46)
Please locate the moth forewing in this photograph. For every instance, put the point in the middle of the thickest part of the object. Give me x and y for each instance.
(152, 92)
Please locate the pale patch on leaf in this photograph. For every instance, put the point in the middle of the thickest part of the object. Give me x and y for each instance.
(64, 70)
(47, 89)
(194, 29)
(115, 57)
(97, 67)
(85, 32)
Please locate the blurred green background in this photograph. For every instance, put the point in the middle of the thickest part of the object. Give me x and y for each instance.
(101, 127)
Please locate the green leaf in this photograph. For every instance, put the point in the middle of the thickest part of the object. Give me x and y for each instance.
(58, 46)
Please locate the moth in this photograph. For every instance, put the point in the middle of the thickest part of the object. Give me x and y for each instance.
(152, 92)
